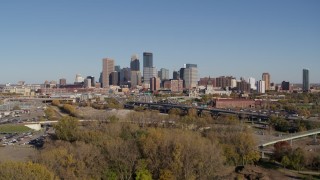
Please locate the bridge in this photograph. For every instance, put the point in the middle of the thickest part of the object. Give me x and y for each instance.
(291, 137)
(53, 122)
(165, 108)
(37, 125)
(47, 100)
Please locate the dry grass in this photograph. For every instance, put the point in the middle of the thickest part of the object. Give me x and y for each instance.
(14, 153)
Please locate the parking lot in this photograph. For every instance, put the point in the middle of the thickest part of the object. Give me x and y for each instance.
(15, 133)
(28, 139)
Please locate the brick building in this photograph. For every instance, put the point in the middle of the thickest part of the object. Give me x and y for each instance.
(173, 85)
(233, 103)
(207, 80)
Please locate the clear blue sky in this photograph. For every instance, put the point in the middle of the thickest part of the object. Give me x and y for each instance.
(47, 40)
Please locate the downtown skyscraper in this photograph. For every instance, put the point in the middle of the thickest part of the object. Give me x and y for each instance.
(261, 87)
(190, 76)
(148, 70)
(107, 69)
(147, 59)
(135, 71)
(163, 74)
(135, 63)
(305, 80)
(266, 79)
(252, 82)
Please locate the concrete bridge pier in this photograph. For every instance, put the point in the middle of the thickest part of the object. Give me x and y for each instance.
(315, 138)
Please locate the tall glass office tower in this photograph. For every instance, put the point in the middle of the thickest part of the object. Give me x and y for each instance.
(305, 80)
(147, 59)
(148, 70)
(135, 63)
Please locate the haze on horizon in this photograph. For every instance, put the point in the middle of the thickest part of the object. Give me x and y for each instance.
(51, 40)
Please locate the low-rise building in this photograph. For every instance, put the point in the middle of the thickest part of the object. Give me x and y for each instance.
(233, 103)
(22, 90)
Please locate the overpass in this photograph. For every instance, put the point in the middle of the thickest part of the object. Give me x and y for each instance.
(165, 108)
(291, 137)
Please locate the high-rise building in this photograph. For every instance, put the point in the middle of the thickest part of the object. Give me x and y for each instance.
(135, 79)
(204, 81)
(175, 85)
(117, 68)
(261, 87)
(114, 78)
(93, 82)
(267, 80)
(176, 75)
(252, 82)
(305, 80)
(107, 69)
(135, 75)
(224, 81)
(100, 79)
(135, 63)
(285, 86)
(163, 74)
(243, 86)
(147, 59)
(181, 72)
(191, 65)
(87, 83)
(155, 83)
(190, 77)
(125, 76)
(181, 75)
(148, 70)
(233, 82)
(62, 82)
(148, 73)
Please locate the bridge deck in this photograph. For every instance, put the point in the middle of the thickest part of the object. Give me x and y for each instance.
(292, 137)
(212, 110)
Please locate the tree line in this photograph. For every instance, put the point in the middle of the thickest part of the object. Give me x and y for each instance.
(296, 158)
(116, 150)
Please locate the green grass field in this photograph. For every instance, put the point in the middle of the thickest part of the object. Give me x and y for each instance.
(13, 128)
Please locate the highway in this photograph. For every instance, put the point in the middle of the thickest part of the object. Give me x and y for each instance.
(214, 111)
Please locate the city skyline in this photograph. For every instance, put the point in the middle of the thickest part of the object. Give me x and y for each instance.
(70, 81)
(52, 40)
